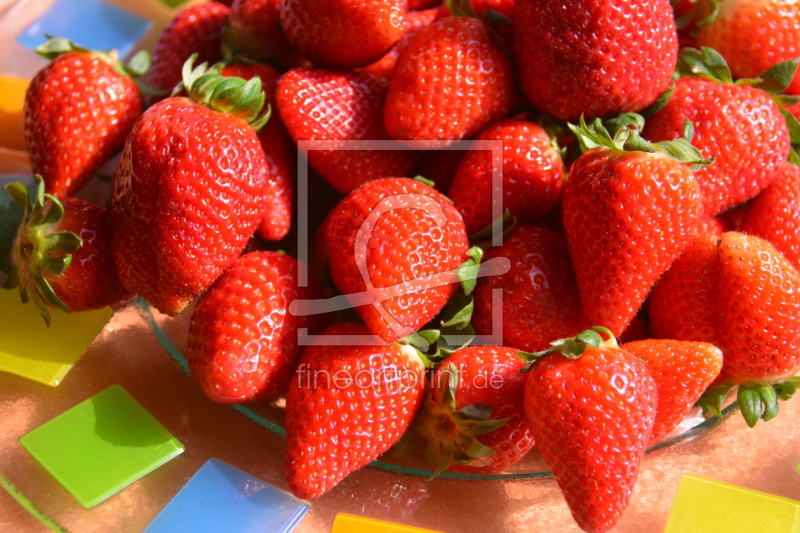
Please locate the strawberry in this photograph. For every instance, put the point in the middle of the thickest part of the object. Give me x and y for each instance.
(682, 372)
(279, 150)
(195, 30)
(395, 244)
(243, 341)
(736, 292)
(540, 300)
(473, 418)
(189, 190)
(449, 83)
(531, 175)
(739, 125)
(774, 215)
(591, 408)
(343, 33)
(317, 104)
(254, 31)
(415, 21)
(754, 35)
(78, 110)
(346, 406)
(627, 216)
(592, 57)
(61, 255)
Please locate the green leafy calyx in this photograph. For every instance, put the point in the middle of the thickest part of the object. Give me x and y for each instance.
(226, 94)
(597, 337)
(622, 133)
(756, 402)
(138, 65)
(37, 250)
(451, 433)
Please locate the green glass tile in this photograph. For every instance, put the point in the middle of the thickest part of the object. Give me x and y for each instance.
(30, 349)
(174, 3)
(101, 445)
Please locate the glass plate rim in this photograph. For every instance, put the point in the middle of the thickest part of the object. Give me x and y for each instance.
(144, 308)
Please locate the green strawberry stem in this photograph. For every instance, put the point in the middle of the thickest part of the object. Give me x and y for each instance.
(138, 65)
(451, 434)
(573, 347)
(454, 319)
(709, 64)
(756, 402)
(225, 94)
(36, 251)
(622, 133)
(484, 239)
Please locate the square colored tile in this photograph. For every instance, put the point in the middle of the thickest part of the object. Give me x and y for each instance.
(12, 98)
(348, 523)
(220, 497)
(174, 3)
(705, 505)
(30, 349)
(92, 24)
(101, 445)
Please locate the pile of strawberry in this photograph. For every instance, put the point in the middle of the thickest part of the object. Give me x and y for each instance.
(651, 196)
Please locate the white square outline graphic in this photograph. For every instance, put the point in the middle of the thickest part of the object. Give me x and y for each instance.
(304, 146)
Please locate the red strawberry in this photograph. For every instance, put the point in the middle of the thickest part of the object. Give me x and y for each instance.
(195, 30)
(415, 21)
(403, 238)
(243, 341)
(592, 57)
(591, 408)
(739, 293)
(531, 175)
(254, 31)
(317, 104)
(449, 83)
(78, 110)
(682, 372)
(540, 300)
(279, 150)
(627, 215)
(474, 420)
(754, 35)
(346, 406)
(774, 215)
(343, 33)
(739, 125)
(189, 190)
(61, 255)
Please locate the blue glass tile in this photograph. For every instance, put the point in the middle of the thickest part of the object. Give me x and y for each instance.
(220, 497)
(89, 23)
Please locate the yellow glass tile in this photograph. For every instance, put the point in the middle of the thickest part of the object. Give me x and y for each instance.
(704, 505)
(348, 523)
(12, 98)
(30, 349)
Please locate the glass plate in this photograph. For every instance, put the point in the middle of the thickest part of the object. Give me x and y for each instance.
(128, 353)
(173, 332)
